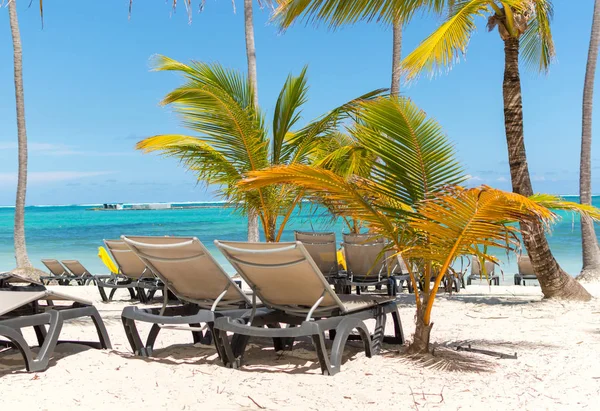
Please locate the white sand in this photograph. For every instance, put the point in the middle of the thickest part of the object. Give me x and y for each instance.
(558, 365)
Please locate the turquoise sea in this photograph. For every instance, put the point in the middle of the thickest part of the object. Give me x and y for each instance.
(75, 232)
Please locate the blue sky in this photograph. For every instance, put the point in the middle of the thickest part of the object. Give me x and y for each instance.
(90, 95)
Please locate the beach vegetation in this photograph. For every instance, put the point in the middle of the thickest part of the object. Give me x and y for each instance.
(24, 266)
(413, 196)
(589, 241)
(233, 138)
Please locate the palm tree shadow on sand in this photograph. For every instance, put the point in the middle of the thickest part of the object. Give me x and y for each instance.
(445, 357)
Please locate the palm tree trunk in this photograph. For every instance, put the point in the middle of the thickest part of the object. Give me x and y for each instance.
(396, 57)
(19, 232)
(589, 241)
(253, 235)
(420, 342)
(554, 281)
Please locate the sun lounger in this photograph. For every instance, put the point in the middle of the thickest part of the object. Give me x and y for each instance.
(525, 270)
(80, 272)
(58, 273)
(287, 280)
(322, 248)
(195, 277)
(21, 307)
(477, 274)
(133, 274)
(367, 263)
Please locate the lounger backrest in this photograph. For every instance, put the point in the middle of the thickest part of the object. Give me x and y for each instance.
(11, 300)
(283, 276)
(322, 249)
(75, 267)
(55, 267)
(188, 269)
(129, 264)
(476, 267)
(524, 265)
(365, 255)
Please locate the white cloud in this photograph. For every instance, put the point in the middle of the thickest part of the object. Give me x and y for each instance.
(538, 178)
(62, 150)
(51, 176)
(473, 178)
(502, 179)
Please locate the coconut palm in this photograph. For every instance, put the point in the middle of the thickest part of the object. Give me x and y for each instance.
(233, 140)
(524, 27)
(340, 12)
(19, 230)
(589, 241)
(252, 76)
(412, 198)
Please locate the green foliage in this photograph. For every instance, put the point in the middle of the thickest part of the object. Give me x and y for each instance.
(233, 139)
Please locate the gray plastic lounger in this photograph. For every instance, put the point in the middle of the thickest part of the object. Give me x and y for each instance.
(322, 248)
(287, 280)
(477, 274)
(525, 270)
(133, 274)
(367, 263)
(58, 273)
(195, 277)
(20, 308)
(82, 273)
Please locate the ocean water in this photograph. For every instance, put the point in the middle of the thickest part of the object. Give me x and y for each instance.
(76, 232)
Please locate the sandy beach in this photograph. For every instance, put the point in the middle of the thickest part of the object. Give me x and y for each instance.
(557, 343)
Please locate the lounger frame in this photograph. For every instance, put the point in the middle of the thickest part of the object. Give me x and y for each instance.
(54, 318)
(188, 316)
(310, 322)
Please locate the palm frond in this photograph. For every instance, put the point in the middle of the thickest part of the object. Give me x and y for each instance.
(536, 42)
(217, 103)
(304, 142)
(341, 12)
(553, 202)
(448, 43)
(357, 197)
(415, 157)
(287, 111)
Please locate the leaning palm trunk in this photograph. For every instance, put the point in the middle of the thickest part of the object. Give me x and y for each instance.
(589, 242)
(554, 281)
(253, 79)
(396, 57)
(19, 233)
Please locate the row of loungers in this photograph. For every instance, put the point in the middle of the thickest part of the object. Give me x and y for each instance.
(287, 287)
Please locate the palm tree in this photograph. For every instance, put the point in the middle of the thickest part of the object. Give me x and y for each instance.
(523, 25)
(339, 12)
(589, 241)
(19, 231)
(252, 76)
(412, 198)
(219, 104)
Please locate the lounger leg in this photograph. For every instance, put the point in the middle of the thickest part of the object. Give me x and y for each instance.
(200, 338)
(133, 336)
(319, 343)
(398, 331)
(47, 348)
(379, 331)
(17, 340)
(281, 344)
(103, 294)
(343, 331)
(100, 329)
(230, 360)
(40, 333)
